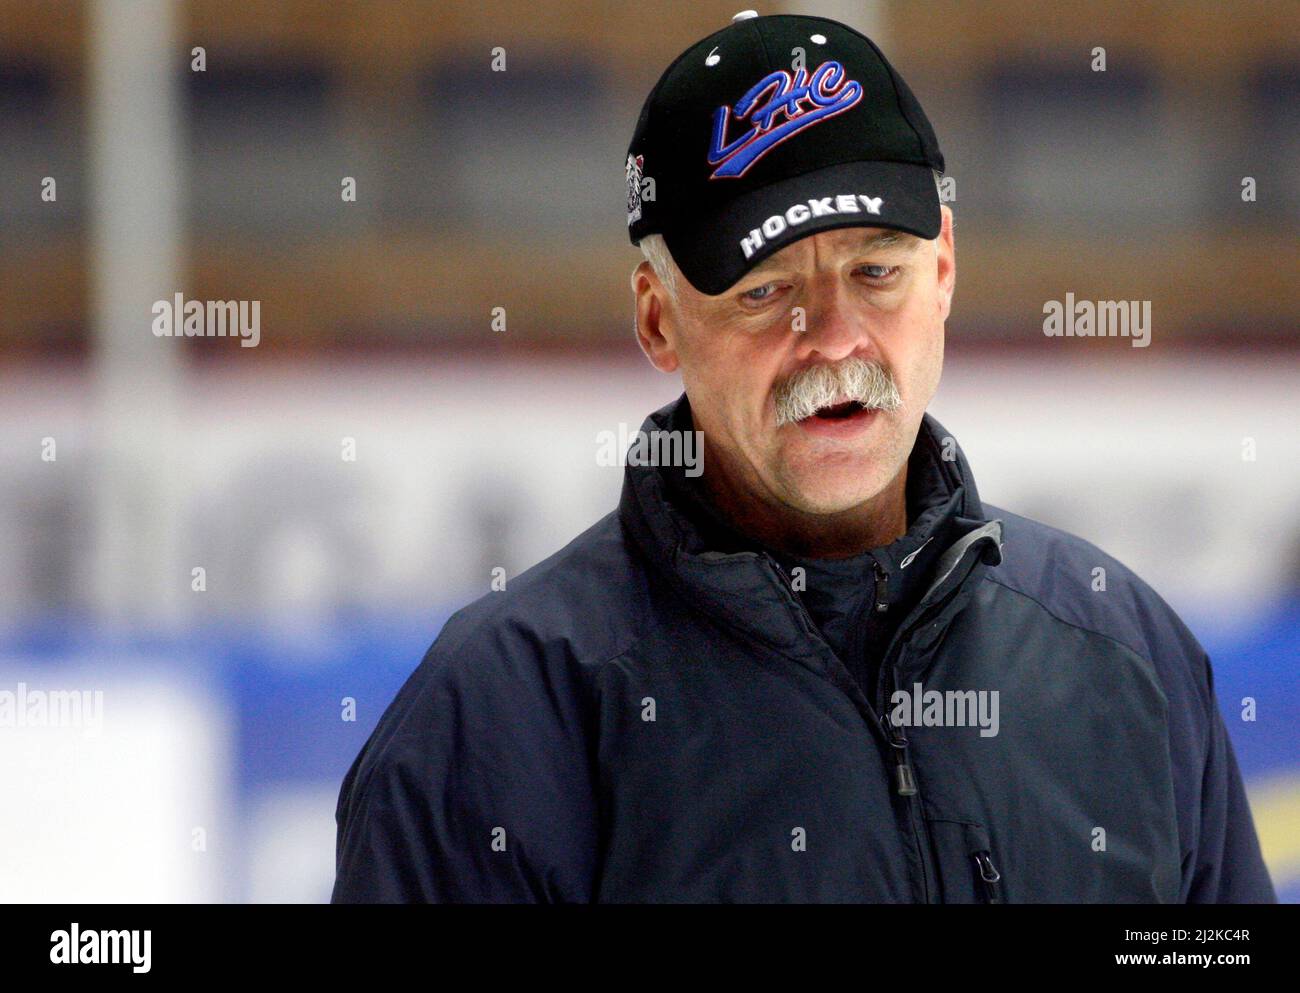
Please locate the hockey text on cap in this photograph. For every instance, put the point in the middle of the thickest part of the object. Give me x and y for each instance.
(796, 214)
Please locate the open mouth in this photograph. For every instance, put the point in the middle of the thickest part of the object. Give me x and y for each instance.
(839, 411)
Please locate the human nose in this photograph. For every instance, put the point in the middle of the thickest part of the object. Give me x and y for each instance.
(835, 326)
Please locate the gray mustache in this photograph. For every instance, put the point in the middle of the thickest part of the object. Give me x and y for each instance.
(806, 392)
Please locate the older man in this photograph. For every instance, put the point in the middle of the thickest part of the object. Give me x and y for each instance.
(822, 669)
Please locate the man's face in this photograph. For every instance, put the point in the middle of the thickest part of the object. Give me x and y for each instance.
(834, 296)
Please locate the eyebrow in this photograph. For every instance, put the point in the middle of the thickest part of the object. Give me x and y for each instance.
(876, 242)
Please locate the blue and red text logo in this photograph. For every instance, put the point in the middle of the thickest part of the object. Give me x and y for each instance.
(802, 100)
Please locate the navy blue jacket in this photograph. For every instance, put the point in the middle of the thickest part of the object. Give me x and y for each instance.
(645, 716)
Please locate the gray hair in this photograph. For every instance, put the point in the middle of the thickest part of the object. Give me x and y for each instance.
(655, 249)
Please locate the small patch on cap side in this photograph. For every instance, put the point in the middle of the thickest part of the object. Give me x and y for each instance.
(744, 15)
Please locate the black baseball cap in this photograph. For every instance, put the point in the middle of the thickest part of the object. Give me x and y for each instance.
(770, 130)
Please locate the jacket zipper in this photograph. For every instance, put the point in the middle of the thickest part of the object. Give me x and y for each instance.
(905, 780)
(882, 587)
(989, 876)
(788, 582)
(811, 626)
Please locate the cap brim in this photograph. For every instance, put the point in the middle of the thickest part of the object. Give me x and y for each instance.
(710, 249)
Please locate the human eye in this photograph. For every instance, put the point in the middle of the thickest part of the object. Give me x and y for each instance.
(880, 274)
(761, 294)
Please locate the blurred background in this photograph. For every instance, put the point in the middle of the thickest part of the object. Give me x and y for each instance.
(218, 563)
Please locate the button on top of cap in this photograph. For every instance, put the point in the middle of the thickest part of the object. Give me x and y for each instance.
(744, 15)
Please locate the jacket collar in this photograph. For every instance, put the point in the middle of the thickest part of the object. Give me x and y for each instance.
(741, 585)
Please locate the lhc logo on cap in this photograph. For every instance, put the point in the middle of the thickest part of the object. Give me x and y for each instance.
(804, 101)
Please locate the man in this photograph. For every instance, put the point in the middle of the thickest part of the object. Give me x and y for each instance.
(822, 669)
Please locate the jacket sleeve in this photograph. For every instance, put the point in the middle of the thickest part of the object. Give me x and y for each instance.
(475, 786)
(1226, 865)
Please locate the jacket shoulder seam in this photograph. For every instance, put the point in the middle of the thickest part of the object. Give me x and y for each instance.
(1074, 624)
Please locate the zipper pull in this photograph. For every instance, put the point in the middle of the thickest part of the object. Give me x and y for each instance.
(892, 731)
(905, 782)
(989, 875)
(882, 588)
